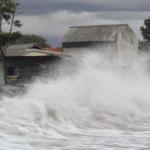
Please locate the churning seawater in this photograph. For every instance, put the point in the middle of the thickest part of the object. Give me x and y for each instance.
(92, 105)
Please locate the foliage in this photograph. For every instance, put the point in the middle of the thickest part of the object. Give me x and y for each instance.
(7, 14)
(4, 37)
(27, 38)
(8, 10)
(145, 29)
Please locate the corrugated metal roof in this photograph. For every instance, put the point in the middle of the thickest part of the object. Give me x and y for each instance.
(26, 50)
(92, 33)
(18, 50)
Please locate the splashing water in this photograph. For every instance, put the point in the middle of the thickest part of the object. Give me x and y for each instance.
(98, 106)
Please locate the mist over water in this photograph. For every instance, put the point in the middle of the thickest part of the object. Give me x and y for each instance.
(90, 103)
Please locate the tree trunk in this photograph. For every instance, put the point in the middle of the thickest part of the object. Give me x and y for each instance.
(3, 71)
(0, 23)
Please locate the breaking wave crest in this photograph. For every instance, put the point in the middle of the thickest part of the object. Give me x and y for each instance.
(98, 97)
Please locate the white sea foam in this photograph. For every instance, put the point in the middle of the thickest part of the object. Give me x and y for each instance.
(99, 106)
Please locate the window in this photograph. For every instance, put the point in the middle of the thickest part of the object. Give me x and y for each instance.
(11, 71)
(12, 74)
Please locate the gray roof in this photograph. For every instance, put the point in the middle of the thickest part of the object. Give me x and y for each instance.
(93, 33)
(17, 50)
(26, 50)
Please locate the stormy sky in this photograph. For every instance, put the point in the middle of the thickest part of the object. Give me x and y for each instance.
(51, 18)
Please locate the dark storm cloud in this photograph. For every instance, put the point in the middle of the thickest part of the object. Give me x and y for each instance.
(46, 6)
(42, 7)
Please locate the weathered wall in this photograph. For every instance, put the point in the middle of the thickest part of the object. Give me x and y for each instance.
(125, 47)
(81, 44)
(127, 51)
(107, 49)
(94, 46)
(2, 80)
(122, 51)
(128, 36)
(30, 67)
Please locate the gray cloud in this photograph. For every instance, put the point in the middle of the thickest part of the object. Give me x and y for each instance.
(43, 7)
(46, 6)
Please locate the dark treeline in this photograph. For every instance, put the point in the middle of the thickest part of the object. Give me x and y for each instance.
(32, 38)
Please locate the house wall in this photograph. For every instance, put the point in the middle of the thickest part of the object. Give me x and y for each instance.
(2, 80)
(76, 47)
(30, 67)
(80, 44)
(107, 49)
(127, 45)
(128, 36)
(122, 51)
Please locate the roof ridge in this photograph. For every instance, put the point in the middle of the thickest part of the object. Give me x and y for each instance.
(98, 25)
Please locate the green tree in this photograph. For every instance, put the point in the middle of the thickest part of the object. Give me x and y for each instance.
(145, 29)
(27, 38)
(8, 10)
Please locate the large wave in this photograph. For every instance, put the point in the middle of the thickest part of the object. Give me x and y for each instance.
(90, 94)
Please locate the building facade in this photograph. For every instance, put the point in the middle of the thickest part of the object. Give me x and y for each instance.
(24, 62)
(117, 40)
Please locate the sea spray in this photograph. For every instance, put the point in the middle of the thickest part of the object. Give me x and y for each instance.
(99, 105)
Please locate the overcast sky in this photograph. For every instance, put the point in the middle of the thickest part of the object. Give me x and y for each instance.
(51, 18)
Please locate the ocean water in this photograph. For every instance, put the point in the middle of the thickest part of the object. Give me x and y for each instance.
(91, 104)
